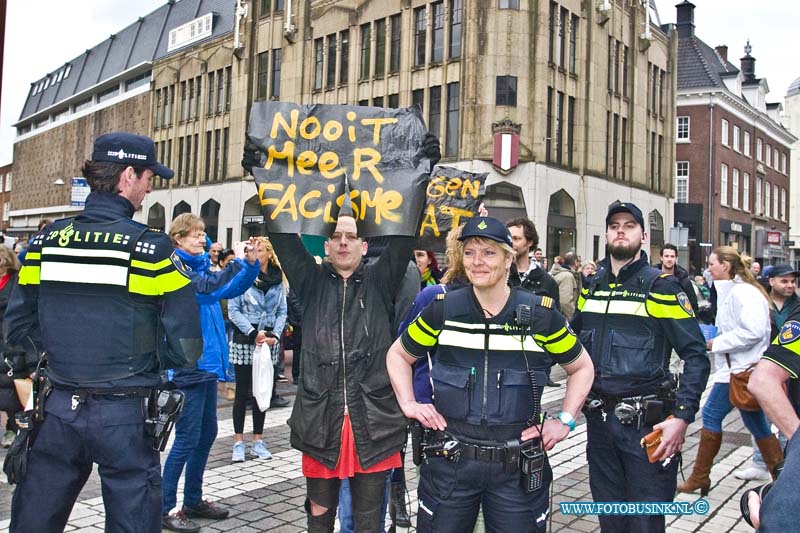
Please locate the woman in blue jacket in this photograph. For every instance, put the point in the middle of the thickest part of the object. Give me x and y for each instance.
(196, 428)
(258, 316)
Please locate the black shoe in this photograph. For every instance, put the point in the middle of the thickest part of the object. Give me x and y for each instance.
(551, 383)
(179, 522)
(277, 401)
(206, 509)
(397, 505)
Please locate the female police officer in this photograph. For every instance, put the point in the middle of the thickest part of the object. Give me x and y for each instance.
(488, 437)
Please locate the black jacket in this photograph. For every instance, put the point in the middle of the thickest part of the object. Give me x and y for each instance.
(538, 282)
(346, 334)
(681, 275)
(630, 323)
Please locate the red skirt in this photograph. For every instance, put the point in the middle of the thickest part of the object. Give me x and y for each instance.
(348, 464)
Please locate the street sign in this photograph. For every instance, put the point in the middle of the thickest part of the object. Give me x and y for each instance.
(788, 243)
(80, 190)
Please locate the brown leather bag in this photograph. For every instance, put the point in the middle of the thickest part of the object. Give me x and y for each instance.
(737, 390)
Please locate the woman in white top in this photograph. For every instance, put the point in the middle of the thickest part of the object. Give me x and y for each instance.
(743, 335)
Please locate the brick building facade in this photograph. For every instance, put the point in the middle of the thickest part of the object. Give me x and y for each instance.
(732, 153)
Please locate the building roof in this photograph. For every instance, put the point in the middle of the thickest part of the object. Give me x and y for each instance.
(144, 41)
(700, 66)
(794, 88)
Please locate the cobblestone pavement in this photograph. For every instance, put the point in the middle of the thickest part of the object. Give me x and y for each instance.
(268, 495)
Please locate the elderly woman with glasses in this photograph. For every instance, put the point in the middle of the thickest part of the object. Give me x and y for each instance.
(196, 428)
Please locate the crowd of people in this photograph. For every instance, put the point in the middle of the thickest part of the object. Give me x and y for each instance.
(461, 350)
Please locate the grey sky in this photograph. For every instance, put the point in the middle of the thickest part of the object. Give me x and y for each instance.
(771, 26)
(41, 35)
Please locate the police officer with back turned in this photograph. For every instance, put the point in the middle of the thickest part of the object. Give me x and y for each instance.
(629, 318)
(487, 438)
(106, 301)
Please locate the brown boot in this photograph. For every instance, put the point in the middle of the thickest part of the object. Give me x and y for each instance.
(771, 451)
(710, 442)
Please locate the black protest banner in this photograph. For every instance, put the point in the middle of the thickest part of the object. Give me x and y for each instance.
(312, 151)
(452, 196)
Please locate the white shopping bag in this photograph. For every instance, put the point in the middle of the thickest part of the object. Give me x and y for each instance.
(263, 375)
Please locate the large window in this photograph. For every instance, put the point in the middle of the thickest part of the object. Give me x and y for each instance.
(682, 182)
(759, 149)
(418, 99)
(735, 189)
(263, 72)
(724, 134)
(275, 93)
(318, 62)
(768, 151)
(435, 110)
(509, 4)
(783, 205)
(552, 32)
(775, 201)
(437, 37)
(746, 191)
(571, 138)
(394, 52)
(380, 48)
(419, 36)
(767, 198)
(759, 206)
(365, 51)
(559, 126)
(451, 141)
(723, 185)
(210, 105)
(683, 128)
(344, 56)
(783, 163)
(736, 138)
(573, 44)
(454, 46)
(562, 37)
(220, 87)
(746, 144)
(506, 90)
(548, 138)
(330, 73)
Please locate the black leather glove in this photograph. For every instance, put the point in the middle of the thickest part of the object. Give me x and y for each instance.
(430, 149)
(251, 157)
(15, 465)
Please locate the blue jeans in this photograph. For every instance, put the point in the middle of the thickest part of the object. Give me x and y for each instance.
(195, 431)
(620, 472)
(717, 407)
(346, 523)
(109, 432)
(452, 492)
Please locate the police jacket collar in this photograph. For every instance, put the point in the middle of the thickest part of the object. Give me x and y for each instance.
(107, 206)
(627, 271)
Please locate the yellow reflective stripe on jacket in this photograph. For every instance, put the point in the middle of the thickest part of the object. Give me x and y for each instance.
(144, 265)
(559, 342)
(157, 285)
(422, 333)
(475, 339)
(672, 310)
(33, 256)
(29, 275)
(615, 307)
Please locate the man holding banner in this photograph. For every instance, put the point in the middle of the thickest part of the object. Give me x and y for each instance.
(346, 173)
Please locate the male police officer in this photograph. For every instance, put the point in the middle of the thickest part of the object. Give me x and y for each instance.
(488, 379)
(780, 362)
(102, 296)
(629, 318)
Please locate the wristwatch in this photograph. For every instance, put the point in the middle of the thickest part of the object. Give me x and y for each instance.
(566, 419)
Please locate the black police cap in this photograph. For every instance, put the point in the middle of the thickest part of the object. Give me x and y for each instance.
(487, 228)
(129, 149)
(625, 207)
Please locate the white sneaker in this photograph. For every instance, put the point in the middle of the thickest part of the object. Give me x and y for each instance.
(238, 452)
(752, 474)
